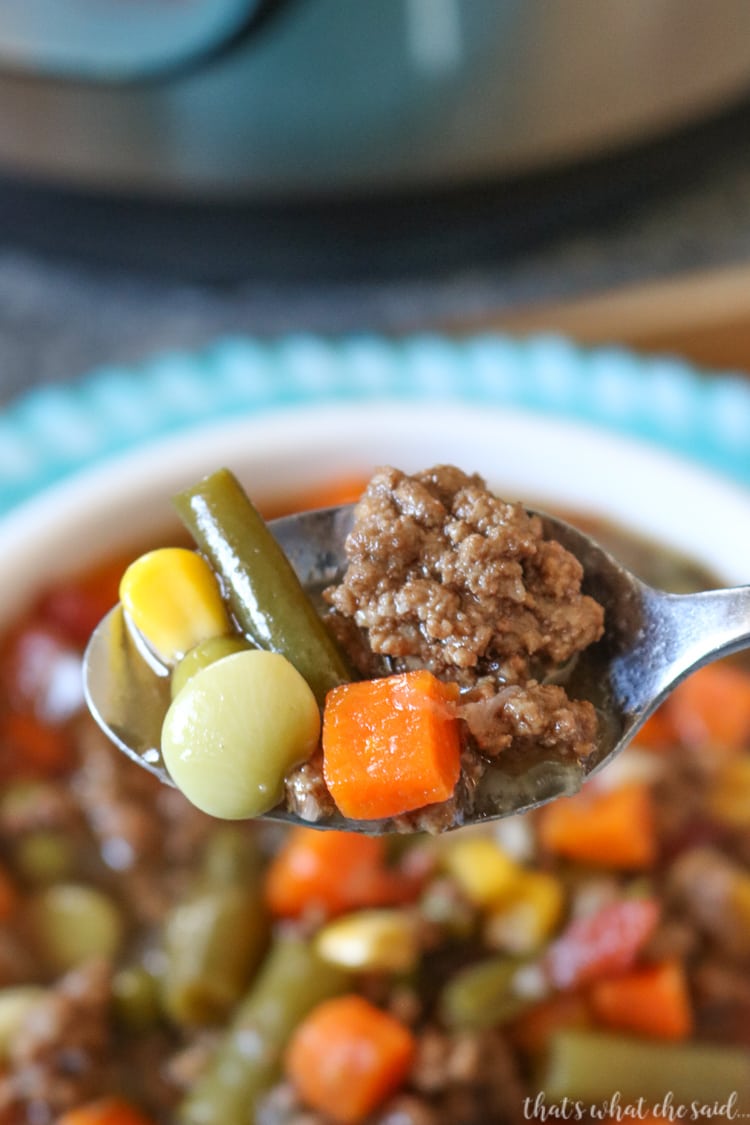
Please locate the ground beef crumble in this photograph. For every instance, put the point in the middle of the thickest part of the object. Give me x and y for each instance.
(443, 574)
(59, 1057)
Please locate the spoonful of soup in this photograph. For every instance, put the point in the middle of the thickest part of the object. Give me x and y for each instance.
(429, 658)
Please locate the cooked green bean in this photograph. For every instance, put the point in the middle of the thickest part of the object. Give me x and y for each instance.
(291, 982)
(482, 995)
(215, 938)
(231, 855)
(264, 593)
(589, 1066)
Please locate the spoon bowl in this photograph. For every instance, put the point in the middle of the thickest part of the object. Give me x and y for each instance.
(652, 640)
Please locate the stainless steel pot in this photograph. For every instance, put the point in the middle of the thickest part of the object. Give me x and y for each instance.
(241, 99)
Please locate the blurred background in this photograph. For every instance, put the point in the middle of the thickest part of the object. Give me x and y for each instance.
(176, 170)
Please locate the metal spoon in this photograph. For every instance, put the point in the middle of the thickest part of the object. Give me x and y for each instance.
(652, 640)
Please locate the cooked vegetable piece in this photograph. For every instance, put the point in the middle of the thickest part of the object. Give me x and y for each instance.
(712, 706)
(603, 827)
(205, 653)
(485, 873)
(264, 593)
(484, 994)
(391, 745)
(173, 598)
(212, 944)
(291, 982)
(327, 873)
(72, 922)
(343, 490)
(347, 1057)
(528, 917)
(652, 1000)
(236, 729)
(215, 937)
(105, 1111)
(602, 943)
(657, 733)
(373, 941)
(590, 1065)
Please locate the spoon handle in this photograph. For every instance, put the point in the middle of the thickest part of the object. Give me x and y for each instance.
(682, 632)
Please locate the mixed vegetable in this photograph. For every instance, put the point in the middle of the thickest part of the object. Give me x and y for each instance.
(159, 966)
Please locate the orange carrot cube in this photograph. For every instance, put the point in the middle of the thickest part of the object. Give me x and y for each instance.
(391, 745)
(347, 1057)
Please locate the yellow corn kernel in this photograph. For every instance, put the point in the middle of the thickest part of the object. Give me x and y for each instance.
(173, 598)
(729, 794)
(528, 917)
(371, 941)
(483, 871)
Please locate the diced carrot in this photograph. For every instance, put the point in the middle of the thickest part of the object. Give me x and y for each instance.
(8, 895)
(534, 1028)
(612, 828)
(105, 1111)
(31, 748)
(347, 1057)
(658, 732)
(391, 745)
(342, 490)
(327, 873)
(653, 1000)
(712, 707)
(601, 944)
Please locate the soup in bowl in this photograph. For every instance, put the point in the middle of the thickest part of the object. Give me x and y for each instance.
(590, 959)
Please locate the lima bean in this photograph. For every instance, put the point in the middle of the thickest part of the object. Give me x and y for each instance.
(204, 654)
(71, 922)
(236, 729)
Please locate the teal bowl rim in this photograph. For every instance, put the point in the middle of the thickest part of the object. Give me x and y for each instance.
(52, 432)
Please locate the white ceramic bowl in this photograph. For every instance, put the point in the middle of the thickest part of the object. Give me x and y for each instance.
(523, 455)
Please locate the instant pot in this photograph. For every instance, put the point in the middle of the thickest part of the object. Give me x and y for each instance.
(258, 104)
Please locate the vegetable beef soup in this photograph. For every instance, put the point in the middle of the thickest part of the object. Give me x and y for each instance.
(158, 965)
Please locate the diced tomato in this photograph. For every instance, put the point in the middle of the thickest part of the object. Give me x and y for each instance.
(31, 748)
(76, 606)
(602, 944)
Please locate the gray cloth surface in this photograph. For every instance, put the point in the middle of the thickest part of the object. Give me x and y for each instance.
(60, 320)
